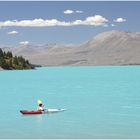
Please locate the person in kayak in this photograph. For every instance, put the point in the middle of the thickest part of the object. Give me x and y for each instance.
(40, 106)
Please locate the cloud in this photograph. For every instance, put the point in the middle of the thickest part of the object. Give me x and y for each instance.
(24, 42)
(113, 25)
(120, 20)
(72, 12)
(105, 25)
(77, 11)
(68, 11)
(96, 20)
(12, 32)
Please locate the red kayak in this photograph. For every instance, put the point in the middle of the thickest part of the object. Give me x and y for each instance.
(27, 112)
(33, 112)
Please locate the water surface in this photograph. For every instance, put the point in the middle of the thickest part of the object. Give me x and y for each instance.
(101, 102)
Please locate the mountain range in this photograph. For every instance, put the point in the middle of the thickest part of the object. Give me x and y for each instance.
(107, 48)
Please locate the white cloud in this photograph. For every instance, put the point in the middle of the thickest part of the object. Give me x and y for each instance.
(113, 25)
(68, 11)
(77, 11)
(12, 32)
(105, 25)
(120, 20)
(24, 42)
(96, 20)
(72, 12)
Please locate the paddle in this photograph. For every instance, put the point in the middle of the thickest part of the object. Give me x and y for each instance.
(39, 102)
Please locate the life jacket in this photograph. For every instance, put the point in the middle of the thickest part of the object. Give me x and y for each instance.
(40, 108)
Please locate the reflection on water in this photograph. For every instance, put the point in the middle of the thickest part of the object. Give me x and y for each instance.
(39, 118)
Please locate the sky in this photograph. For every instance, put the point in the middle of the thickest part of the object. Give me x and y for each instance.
(23, 23)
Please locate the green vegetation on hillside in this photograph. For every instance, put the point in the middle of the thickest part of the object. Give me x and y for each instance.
(8, 61)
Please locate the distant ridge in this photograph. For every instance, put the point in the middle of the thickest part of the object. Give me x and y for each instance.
(107, 48)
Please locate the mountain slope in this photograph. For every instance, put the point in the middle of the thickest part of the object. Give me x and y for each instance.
(108, 48)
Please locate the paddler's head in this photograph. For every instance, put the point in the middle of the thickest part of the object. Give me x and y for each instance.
(40, 105)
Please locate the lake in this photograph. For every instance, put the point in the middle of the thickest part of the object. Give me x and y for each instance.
(100, 102)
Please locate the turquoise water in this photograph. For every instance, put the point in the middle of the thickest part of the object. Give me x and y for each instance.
(101, 102)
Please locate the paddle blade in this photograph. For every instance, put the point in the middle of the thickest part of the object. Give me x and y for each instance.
(39, 101)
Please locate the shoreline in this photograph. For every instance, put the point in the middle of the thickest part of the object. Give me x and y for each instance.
(89, 65)
(39, 66)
